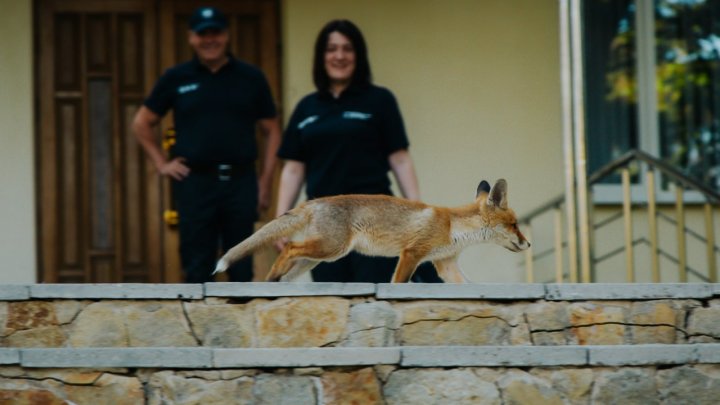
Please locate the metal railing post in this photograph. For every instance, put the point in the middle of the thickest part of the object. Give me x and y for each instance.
(710, 243)
(627, 216)
(680, 231)
(652, 225)
(558, 246)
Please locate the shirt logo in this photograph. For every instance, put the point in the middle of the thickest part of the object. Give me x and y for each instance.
(188, 88)
(307, 121)
(355, 115)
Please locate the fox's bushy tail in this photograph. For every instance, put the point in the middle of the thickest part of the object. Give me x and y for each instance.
(282, 226)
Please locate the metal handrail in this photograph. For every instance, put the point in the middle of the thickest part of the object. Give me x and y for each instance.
(664, 167)
(711, 195)
(683, 182)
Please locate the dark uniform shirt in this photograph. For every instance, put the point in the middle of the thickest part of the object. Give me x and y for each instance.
(345, 142)
(215, 113)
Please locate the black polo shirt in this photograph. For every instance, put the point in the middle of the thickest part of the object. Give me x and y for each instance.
(215, 113)
(345, 142)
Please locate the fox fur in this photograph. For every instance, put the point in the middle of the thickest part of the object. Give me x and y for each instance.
(378, 225)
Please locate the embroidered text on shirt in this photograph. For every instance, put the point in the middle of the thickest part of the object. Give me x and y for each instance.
(306, 121)
(188, 88)
(355, 115)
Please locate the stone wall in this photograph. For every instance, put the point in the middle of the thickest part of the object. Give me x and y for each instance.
(357, 316)
(291, 343)
(696, 384)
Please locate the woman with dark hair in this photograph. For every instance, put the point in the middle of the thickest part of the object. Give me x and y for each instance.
(343, 139)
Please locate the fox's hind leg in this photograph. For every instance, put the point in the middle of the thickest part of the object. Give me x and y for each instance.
(303, 256)
(449, 271)
(409, 260)
(300, 267)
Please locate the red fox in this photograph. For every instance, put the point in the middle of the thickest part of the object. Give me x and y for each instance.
(378, 225)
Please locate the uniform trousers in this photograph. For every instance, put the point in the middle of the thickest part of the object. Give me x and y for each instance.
(358, 268)
(215, 213)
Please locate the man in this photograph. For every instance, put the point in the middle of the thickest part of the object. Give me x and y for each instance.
(217, 101)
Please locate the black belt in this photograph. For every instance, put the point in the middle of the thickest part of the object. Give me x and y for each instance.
(223, 171)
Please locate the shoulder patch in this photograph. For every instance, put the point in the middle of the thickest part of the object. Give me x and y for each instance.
(356, 115)
(307, 121)
(186, 88)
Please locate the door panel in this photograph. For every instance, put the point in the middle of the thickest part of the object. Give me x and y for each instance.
(101, 202)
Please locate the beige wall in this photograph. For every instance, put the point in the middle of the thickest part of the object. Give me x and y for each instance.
(17, 199)
(478, 85)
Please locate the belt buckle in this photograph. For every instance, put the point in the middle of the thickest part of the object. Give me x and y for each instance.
(224, 172)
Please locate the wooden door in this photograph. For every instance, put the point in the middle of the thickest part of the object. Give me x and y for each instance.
(97, 195)
(101, 202)
(254, 38)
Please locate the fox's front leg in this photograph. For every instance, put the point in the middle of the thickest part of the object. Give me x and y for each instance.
(449, 271)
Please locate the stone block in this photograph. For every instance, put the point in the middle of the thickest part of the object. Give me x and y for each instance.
(132, 324)
(117, 357)
(494, 291)
(288, 289)
(168, 387)
(351, 387)
(655, 322)
(493, 356)
(439, 387)
(23, 315)
(705, 321)
(627, 386)
(519, 387)
(117, 291)
(372, 324)
(284, 390)
(305, 357)
(301, 322)
(573, 383)
(465, 323)
(221, 325)
(597, 323)
(47, 336)
(688, 384)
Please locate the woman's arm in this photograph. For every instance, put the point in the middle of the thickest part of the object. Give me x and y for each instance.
(402, 166)
(291, 181)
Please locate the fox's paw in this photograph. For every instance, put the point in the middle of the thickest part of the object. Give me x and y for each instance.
(221, 266)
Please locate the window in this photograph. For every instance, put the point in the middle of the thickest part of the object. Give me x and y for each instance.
(652, 81)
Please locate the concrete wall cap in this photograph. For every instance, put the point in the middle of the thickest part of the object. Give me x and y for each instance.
(283, 289)
(498, 291)
(615, 291)
(14, 292)
(117, 291)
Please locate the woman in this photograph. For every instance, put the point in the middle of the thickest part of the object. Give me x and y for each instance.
(343, 139)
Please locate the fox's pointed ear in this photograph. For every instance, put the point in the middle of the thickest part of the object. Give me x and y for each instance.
(498, 195)
(483, 187)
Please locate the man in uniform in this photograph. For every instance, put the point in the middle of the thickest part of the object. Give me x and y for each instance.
(217, 102)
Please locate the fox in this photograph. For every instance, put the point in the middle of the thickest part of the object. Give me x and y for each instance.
(388, 226)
